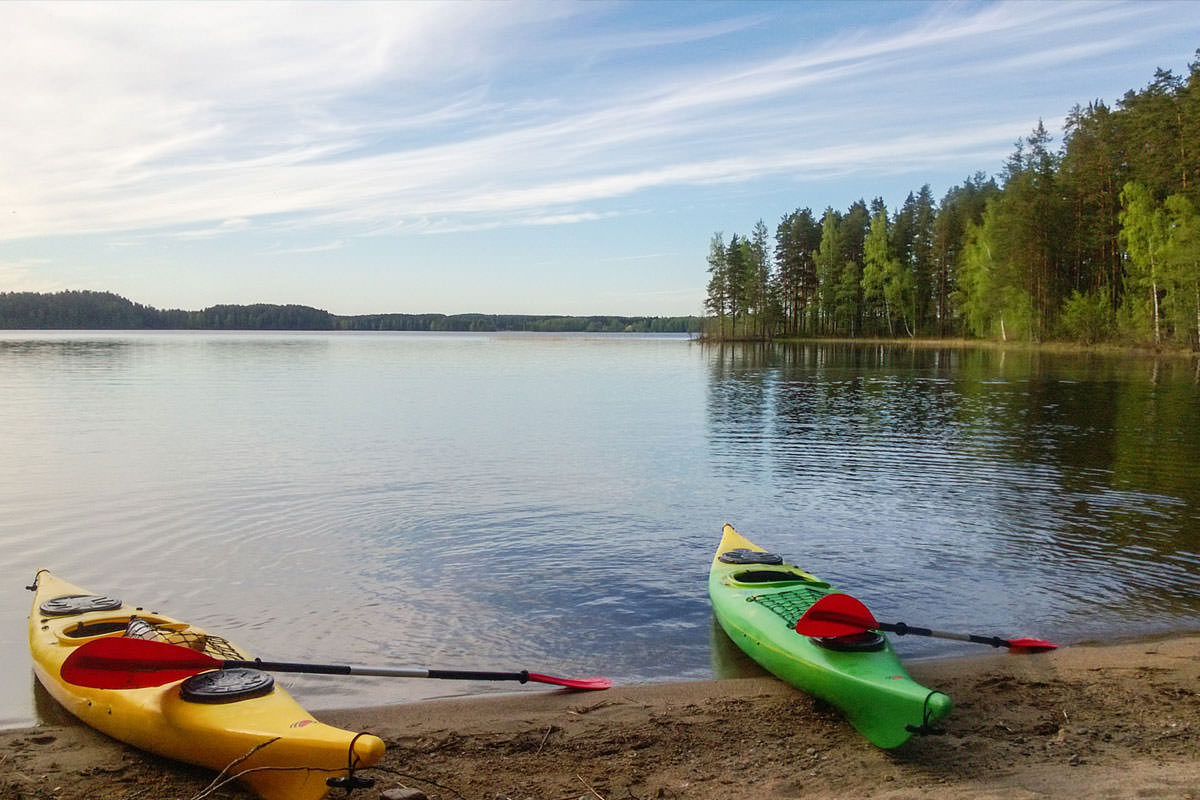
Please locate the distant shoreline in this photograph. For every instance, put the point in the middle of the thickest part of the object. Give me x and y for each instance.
(88, 310)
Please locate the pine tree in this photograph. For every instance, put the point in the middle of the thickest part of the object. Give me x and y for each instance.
(797, 238)
(718, 298)
(829, 263)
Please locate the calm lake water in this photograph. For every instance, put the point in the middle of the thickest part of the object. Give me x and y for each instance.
(504, 501)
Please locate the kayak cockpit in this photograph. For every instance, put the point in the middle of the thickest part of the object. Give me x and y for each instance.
(758, 576)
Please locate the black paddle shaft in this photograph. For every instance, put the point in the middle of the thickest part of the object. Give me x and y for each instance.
(387, 672)
(900, 629)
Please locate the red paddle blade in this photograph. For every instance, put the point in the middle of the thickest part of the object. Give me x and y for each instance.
(1030, 645)
(836, 615)
(583, 684)
(126, 663)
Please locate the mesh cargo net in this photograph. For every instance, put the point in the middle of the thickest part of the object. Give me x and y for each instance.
(791, 604)
(215, 646)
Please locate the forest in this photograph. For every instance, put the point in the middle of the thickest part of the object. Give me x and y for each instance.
(85, 310)
(1097, 240)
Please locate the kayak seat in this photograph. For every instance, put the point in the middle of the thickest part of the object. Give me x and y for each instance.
(82, 630)
(765, 576)
(769, 576)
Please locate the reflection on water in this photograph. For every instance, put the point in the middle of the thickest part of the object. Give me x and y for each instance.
(552, 502)
(728, 660)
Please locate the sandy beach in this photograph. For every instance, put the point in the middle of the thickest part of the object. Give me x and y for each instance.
(1113, 721)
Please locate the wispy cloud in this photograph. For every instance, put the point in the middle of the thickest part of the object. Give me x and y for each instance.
(202, 120)
(221, 229)
(316, 248)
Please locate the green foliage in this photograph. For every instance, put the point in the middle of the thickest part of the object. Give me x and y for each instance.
(887, 285)
(1087, 318)
(962, 207)
(1144, 235)
(995, 303)
(829, 262)
(76, 310)
(1061, 245)
(1181, 267)
(264, 317)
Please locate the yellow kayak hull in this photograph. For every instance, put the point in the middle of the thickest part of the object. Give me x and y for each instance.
(276, 747)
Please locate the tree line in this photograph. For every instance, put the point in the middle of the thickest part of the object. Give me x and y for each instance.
(1097, 240)
(86, 310)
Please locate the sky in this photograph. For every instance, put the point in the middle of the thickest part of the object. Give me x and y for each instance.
(506, 157)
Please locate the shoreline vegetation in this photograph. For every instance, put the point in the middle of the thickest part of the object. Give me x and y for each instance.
(1117, 720)
(1097, 241)
(90, 310)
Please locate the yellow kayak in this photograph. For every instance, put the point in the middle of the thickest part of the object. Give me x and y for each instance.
(241, 724)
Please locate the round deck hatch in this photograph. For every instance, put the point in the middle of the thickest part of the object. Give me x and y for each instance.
(744, 556)
(68, 604)
(227, 685)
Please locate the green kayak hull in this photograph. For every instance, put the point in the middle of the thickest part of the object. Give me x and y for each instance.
(758, 598)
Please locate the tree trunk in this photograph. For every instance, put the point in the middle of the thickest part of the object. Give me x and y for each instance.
(1154, 289)
(1154, 293)
(1197, 339)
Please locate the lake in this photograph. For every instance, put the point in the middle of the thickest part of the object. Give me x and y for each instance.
(552, 503)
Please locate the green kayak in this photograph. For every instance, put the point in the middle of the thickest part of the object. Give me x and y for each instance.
(758, 598)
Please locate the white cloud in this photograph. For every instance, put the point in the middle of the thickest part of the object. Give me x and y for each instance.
(407, 116)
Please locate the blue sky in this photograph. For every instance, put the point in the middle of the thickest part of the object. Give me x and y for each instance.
(526, 157)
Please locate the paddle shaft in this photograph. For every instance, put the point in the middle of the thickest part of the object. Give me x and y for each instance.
(901, 629)
(384, 672)
(121, 662)
(838, 614)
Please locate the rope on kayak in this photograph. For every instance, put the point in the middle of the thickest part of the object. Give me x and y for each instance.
(223, 777)
(926, 728)
(351, 781)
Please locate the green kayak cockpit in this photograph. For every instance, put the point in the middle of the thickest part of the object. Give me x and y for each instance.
(777, 576)
(766, 568)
